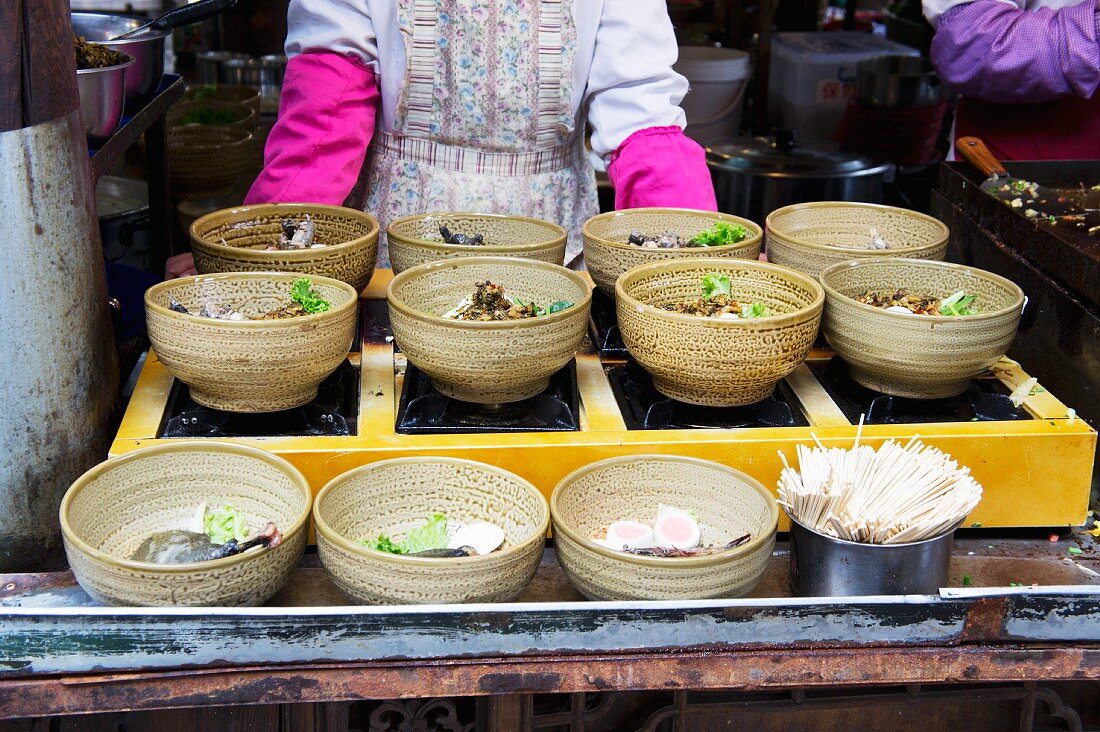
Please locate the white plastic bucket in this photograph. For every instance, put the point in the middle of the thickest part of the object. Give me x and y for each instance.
(718, 77)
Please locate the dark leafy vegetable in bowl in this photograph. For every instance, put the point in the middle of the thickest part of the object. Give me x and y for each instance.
(489, 303)
(902, 301)
(717, 301)
(94, 56)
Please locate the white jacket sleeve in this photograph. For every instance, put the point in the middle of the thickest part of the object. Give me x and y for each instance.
(339, 26)
(631, 85)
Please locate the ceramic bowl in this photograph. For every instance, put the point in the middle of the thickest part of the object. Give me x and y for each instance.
(727, 503)
(918, 356)
(248, 96)
(493, 362)
(235, 114)
(249, 365)
(607, 255)
(351, 239)
(415, 240)
(111, 509)
(204, 161)
(812, 236)
(392, 496)
(717, 362)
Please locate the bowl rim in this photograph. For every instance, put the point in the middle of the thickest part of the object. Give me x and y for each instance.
(831, 292)
(322, 527)
(737, 552)
(560, 235)
(113, 67)
(476, 325)
(755, 229)
(766, 322)
(304, 255)
(252, 98)
(769, 227)
(299, 524)
(336, 311)
(224, 130)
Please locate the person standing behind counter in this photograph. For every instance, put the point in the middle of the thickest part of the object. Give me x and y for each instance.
(481, 105)
(1029, 73)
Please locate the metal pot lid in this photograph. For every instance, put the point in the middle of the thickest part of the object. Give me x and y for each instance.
(779, 155)
(120, 196)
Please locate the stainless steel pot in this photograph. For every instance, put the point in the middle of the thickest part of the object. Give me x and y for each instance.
(898, 82)
(209, 65)
(753, 176)
(143, 78)
(822, 566)
(102, 98)
(122, 205)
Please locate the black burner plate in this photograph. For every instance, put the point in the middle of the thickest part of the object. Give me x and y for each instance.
(605, 326)
(423, 410)
(645, 408)
(985, 401)
(335, 411)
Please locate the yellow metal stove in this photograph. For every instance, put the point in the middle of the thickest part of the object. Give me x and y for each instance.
(1034, 461)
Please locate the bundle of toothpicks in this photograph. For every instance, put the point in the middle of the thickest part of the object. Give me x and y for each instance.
(893, 495)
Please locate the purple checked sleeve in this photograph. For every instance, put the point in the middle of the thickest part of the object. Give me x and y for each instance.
(996, 52)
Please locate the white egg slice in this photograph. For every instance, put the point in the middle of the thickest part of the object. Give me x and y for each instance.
(629, 534)
(899, 309)
(675, 529)
(483, 536)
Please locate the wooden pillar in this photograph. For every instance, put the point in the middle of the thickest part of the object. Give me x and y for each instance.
(58, 376)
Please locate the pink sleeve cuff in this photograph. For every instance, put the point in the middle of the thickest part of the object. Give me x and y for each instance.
(326, 119)
(660, 166)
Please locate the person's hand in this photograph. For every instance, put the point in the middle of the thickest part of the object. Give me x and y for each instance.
(181, 265)
(763, 257)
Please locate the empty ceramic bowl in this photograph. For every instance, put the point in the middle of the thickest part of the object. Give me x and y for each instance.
(812, 236)
(415, 240)
(114, 507)
(205, 161)
(488, 362)
(726, 503)
(392, 496)
(249, 365)
(607, 253)
(918, 356)
(236, 240)
(717, 362)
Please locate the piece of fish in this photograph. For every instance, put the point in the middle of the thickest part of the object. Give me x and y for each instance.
(462, 551)
(660, 551)
(176, 306)
(183, 547)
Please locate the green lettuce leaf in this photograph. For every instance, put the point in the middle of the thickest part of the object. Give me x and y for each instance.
(718, 235)
(383, 544)
(225, 523)
(432, 535)
(755, 310)
(716, 284)
(302, 292)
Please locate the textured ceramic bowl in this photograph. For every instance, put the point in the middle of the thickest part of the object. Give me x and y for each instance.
(392, 496)
(205, 161)
(415, 240)
(717, 362)
(234, 93)
(494, 362)
(235, 114)
(249, 365)
(812, 236)
(607, 255)
(918, 356)
(728, 504)
(351, 237)
(111, 509)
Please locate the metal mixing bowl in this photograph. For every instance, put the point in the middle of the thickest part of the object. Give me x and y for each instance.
(147, 49)
(102, 98)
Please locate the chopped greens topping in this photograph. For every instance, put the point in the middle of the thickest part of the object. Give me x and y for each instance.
(718, 235)
(302, 292)
(716, 284)
(557, 306)
(958, 304)
(967, 581)
(223, 524)
(383, 544)
(755, 310)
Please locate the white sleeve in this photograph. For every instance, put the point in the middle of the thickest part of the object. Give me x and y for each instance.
(933, 9)
(339, 26)
(631, 85)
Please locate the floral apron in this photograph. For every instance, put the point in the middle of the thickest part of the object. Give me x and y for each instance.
(485, 120)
